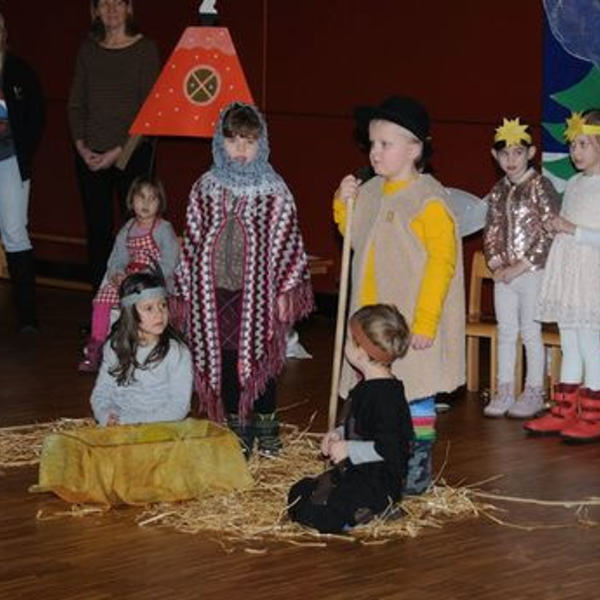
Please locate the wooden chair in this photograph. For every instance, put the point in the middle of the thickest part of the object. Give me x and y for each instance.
(481, 326)
(477, 326)
(551, 339)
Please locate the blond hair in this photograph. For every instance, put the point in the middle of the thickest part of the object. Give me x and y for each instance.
(385, 328)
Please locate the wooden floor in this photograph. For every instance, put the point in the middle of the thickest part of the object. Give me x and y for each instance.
(98, 558)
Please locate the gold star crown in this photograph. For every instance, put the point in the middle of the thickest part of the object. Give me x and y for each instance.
(576, 125)
(512, 132)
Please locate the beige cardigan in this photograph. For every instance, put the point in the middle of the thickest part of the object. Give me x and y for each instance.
(400, 260)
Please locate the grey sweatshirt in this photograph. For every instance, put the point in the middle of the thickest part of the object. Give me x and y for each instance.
(160, 393)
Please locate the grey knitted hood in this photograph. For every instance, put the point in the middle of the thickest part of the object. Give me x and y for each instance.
(234, 174)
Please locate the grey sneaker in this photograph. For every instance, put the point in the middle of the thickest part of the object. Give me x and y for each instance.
(502, 400)
(529, 403)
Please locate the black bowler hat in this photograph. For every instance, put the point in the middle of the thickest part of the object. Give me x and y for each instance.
(402, 110)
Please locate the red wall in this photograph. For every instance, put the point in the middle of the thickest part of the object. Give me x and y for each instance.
(309, 64)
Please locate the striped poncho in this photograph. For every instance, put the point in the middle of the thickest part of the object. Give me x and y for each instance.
(275, 266)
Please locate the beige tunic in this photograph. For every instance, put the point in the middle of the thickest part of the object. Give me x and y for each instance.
(400, 260)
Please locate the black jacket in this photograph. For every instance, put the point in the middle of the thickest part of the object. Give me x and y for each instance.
(25, 104)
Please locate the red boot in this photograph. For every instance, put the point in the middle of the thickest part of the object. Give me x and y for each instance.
(563, 414)
(587, 426)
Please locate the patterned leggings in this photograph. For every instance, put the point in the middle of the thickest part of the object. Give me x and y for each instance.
(419, 475)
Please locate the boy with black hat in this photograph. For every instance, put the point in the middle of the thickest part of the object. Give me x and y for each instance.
(407, 252)
(21, 125)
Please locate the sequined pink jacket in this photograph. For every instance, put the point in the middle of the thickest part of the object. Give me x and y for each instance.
(514, 229)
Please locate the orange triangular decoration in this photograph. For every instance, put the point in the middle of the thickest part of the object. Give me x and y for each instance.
(202, 75)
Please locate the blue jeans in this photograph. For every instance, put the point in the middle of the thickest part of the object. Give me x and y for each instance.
(14, 201)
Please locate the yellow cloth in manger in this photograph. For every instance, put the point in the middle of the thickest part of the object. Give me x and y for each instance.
(140, 464)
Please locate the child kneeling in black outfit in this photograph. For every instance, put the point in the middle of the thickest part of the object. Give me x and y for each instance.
(370, 450)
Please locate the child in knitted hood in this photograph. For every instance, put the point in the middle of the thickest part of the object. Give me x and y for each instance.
(245, 275)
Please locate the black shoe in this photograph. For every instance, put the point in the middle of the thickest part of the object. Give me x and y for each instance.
(244, 432)
(266, 429)
(21, 268)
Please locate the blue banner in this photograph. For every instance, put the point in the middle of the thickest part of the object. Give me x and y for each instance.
(571, 77)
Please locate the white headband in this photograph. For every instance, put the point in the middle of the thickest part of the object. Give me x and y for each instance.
(146, 294)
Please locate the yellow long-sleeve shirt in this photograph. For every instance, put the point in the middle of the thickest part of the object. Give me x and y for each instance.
(435, 229)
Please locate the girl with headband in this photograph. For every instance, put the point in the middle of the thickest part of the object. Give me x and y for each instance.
(570, 291)
(516, 244)
(146, 371)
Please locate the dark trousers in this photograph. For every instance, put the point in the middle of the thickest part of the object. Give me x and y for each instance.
(21, 267)
(97, 191)
(322, 517)
(341, 497)
(230, 387)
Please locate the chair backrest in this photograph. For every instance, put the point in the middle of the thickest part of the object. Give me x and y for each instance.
(479, 272)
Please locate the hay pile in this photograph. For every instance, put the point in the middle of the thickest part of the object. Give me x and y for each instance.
(250, 518)
(253, 517)
(22, 445)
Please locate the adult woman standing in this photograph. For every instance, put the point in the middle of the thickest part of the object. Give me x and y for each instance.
(21, 124)
(116, 67)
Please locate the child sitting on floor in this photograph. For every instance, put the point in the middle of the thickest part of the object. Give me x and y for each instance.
(146, 371)
(370, 451)
(145, 240)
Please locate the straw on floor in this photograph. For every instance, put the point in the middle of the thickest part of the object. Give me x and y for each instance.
(252, 519)
(22, 445)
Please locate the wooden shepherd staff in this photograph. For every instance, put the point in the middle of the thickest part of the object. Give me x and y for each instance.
(341, 315)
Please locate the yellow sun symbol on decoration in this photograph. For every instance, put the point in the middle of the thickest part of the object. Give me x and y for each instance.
(512, 132)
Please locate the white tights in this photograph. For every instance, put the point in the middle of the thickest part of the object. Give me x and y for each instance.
(580, 356)
(515, 304)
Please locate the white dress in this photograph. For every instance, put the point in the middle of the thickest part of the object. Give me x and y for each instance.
(570, 290)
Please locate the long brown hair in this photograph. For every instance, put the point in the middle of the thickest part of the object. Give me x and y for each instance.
(125, 338)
